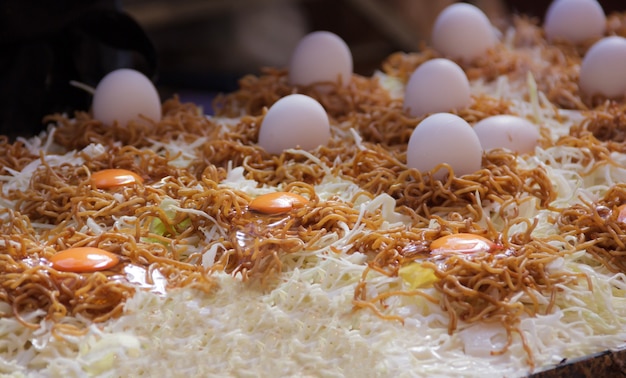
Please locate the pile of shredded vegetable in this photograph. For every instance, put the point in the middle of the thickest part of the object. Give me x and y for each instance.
(345, 283)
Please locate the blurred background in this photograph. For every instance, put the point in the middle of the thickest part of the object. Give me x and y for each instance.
(211, 43)
(194, 48)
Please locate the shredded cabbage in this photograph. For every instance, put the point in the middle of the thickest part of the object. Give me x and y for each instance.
(305, 325)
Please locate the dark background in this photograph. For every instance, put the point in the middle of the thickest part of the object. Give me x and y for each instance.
(214, 43)
(193, 48)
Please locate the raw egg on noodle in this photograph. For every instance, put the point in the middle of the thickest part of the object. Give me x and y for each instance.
(462, 31)
(437, 85)
(603, 68)
(277, 202)
(575, 21)
(506, 131)
(444, 138)
(125, 95)
(83, 260)
(462, 243)
(109, 178)
(321, 57)
(294, 121)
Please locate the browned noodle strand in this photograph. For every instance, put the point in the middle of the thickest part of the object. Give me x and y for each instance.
(607, 124)
(599, 225)
(474, 288)
(63, 194)
(369, 135)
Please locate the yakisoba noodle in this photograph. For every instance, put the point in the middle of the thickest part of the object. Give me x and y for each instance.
(607, 124)
(475, 288)
(61, 201)
(390, 216)
(482, 290)
(602, 225)
(57, 195)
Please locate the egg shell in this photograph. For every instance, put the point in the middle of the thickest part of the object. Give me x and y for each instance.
(507, 131)
(321, 57)
(462, 31)
(437, 85)
(294, 121)
(575, 21)
(444, 138)
(124, 95)
(603, 68)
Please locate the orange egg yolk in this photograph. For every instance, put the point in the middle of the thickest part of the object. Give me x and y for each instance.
(109, 178)
(461, 243)
(84, 260)
(277, 202)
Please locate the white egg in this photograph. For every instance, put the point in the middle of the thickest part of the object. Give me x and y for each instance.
(444, 138)
(321, 57)
(294, 121)
(603, 68)
(506, 131)
(125, 95)
(437, 85)
(574, 20)
(462, 31)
